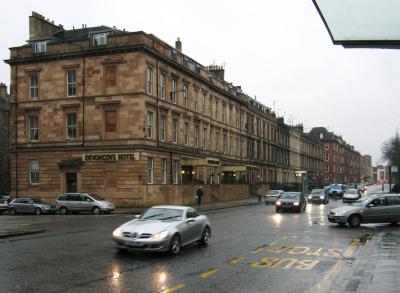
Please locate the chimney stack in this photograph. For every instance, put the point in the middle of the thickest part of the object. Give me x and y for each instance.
(40, 27)
(218, 71)
(3, 90)
(178, 45)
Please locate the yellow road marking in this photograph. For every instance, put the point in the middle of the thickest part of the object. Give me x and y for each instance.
(257, 250)
(173, 289)
(285, 237)
(236, 260)
(209, 273)
(327, 281)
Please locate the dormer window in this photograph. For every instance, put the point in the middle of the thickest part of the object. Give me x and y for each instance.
(99, 39)
(40, 47)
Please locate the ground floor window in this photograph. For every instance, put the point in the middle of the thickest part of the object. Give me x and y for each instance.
(34, 171)
(150, 170)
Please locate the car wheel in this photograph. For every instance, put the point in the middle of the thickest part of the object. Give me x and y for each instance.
(12, 212)
(63, 211)
(354, 221)
(96, 211)
(175, 245)
(205, 237)
(37, 211)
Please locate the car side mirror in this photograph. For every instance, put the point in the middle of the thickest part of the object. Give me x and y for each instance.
(370, 205)
(88, 200)
(136, 216)
(190, 220)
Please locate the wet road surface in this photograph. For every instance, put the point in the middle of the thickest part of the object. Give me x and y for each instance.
(253, 249)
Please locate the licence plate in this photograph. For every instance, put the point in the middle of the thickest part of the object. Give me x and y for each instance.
(133, 244)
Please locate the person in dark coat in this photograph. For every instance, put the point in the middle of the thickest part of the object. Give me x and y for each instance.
(199, 194)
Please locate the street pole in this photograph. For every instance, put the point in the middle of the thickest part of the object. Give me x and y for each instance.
(390, 179)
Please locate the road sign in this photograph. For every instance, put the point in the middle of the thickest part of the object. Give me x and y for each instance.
(393, 169)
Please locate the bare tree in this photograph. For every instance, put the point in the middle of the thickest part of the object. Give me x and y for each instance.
(391, 154)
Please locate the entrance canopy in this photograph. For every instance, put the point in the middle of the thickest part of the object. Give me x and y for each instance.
(362, 23)
(209, 162)
(240, 168)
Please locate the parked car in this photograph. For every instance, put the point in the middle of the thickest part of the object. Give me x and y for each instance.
(351, 195)
(25, 205)
(272, 196)
(379, 208)
(318, 196)
(336, 190)
(4, 201)
(163, 228)
(83, 202)
(291, 201)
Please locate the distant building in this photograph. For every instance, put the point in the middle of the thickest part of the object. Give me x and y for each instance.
(4, 139)
(366, 168)
(342, 163)
(380, 173)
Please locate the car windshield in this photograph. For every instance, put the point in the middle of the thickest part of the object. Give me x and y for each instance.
(317, 191)
(162, 214)
(95, 196)
(290, 195)
(273, 192)
(37, 200)
(352, 191)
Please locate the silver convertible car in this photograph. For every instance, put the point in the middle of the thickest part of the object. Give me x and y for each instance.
(163, 228)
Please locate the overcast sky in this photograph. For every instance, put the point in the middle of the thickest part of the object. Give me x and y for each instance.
(277, 50)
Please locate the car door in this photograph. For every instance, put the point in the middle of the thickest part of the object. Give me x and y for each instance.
(73, 202)
(85, 203)
(393, 208)
(29, 206)
(191, 226)
(376, 211)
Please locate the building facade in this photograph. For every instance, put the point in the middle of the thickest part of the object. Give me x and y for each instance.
(4, 140)
(127, 116)
(342, 163)
(366, 168)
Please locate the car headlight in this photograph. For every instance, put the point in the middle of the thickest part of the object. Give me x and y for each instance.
(338, 214)
(322, 197)
(160, 236)
(118, 233)
(278, 203)
(296, 203)
(310, 197)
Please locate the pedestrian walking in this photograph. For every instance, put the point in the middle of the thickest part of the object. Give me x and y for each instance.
(199, 195)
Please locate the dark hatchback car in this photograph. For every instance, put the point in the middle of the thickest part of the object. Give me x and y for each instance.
(294, 201)
(30, 206)
(318, 196)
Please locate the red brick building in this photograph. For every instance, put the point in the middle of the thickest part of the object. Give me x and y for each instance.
(342, 163)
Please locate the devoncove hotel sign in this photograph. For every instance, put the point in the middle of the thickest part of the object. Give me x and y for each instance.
(110, 157)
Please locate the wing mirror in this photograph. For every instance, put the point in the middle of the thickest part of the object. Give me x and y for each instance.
(190, 220)
(370, 205)
(136, 216)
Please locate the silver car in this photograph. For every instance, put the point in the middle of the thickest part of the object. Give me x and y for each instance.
(351, 195)
(163, 228)
(83, 202)
(272, 196)
(30, 206)
(381, 208)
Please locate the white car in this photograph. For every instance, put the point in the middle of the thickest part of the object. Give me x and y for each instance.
(163, 228)
(272, 196)
(351, 195)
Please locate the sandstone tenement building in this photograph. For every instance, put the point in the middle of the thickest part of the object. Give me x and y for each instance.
(127, 116)
(4, 140)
